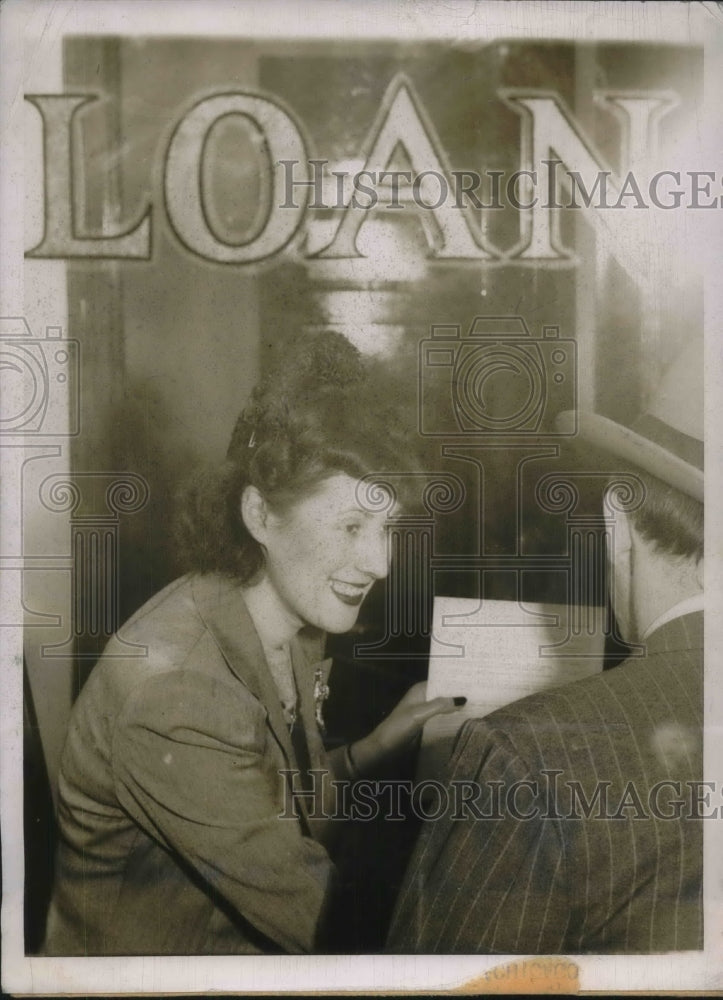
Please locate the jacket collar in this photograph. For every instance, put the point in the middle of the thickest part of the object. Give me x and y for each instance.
(682, 633)
(685, 607)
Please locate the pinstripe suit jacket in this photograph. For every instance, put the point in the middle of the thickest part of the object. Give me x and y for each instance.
(619, 873)
(170, 792)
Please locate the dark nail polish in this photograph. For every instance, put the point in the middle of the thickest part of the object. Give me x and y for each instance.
(460, 700)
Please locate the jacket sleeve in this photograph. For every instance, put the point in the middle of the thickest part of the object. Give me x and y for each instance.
(487, 877)
(190, 769)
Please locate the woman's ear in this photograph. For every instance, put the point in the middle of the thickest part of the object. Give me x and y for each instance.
(255, 513)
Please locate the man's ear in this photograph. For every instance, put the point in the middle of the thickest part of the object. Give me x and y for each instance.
(255, 513)
(620, 558)
(700, 573)
(622, 531)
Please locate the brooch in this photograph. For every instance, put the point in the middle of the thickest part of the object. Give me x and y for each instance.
(321, 693)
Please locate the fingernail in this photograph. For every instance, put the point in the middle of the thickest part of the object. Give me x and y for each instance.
(460, 700)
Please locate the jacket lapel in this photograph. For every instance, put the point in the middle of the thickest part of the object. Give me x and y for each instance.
(221, 605)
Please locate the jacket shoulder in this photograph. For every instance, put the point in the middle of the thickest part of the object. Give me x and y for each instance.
(165, 628)
(166, 634)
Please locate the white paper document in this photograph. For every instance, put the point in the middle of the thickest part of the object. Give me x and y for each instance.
(495, 652)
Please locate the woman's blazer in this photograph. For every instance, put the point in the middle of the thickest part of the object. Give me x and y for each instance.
(170, 792)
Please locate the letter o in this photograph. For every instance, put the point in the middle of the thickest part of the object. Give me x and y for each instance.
(417, 189)
(442, 799)
(182, 177)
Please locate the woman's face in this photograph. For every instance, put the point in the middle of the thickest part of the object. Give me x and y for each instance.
(325, 552)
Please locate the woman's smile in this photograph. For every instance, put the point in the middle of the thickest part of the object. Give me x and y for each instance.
(350, 593)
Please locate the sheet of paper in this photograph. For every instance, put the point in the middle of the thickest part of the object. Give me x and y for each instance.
(495, 652)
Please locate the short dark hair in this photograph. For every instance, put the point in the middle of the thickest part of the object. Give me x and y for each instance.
(671, 520)
(325, 409)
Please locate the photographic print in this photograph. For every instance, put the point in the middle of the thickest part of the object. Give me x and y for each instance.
(361, 393)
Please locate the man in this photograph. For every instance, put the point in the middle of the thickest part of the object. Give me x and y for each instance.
(586, 833)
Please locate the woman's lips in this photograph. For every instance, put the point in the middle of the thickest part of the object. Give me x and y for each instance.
(348, 593)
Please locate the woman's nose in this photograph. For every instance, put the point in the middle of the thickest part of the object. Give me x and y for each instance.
(374, 554)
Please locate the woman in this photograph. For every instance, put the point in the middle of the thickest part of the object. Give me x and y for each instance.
(179, 764)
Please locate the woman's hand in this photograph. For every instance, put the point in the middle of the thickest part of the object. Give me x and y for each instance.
(400, 728)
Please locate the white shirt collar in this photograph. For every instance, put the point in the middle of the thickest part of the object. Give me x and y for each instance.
(690, 604)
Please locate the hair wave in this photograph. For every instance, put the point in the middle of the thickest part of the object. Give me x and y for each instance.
(325, 409)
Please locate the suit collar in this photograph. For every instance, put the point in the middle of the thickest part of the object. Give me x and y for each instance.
(684, 607)
(683, 633)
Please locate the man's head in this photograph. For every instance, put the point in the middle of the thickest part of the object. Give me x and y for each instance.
(656, 555)
(671, 521)
(656, 548)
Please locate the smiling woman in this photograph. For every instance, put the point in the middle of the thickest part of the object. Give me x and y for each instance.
(176, 769)
(321, 557)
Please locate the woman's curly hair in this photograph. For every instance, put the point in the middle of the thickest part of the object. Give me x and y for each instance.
(325, 409)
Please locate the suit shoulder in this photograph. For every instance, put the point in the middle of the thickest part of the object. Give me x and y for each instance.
(659, 679)
(630, 706)
(564, 702)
